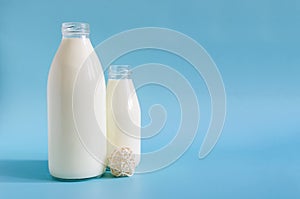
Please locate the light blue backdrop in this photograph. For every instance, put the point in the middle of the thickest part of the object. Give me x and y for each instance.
(255, 45)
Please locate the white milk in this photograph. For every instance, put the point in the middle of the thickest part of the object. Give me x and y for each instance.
(123, 117)
(73, 153)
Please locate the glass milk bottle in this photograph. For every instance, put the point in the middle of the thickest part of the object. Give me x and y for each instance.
(69, 145)
(123, 112)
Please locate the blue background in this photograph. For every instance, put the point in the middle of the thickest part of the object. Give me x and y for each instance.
(256, 47)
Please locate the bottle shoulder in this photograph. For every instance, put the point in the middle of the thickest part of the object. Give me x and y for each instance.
(74, 52)
(122, 91)
(120, 85)
(75, 47)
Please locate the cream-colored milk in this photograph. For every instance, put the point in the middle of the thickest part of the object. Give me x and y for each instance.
(74, 151)
(123, 117)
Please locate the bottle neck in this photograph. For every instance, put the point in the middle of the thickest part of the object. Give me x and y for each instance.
(75, 30)
(119, 72)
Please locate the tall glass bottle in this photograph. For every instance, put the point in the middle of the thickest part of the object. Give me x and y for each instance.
(68, 146)
(123, 112)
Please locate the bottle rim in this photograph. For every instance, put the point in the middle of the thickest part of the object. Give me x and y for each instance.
(75, 28)
(119, 72)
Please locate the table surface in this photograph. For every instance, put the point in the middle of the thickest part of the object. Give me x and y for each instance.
(220, 175)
